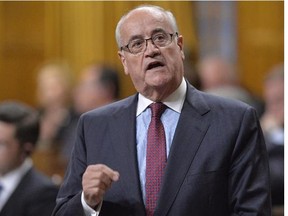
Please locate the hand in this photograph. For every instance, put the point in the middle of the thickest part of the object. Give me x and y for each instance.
(97, 179)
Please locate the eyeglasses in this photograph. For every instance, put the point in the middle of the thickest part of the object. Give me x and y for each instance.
(138, 45)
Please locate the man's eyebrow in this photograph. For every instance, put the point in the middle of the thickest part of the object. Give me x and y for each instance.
(135, 37)
(157, 30)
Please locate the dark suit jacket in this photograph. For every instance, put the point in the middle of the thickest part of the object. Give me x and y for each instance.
(217, 164)
(276, 163)
(34, 196)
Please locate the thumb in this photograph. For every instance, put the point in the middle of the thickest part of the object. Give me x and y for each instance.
(115, 176)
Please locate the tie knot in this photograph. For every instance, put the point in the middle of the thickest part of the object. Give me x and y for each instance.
(157, 109)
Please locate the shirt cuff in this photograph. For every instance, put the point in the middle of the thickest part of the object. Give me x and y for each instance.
(88, 210)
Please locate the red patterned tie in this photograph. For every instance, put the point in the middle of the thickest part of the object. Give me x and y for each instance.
(155, 157)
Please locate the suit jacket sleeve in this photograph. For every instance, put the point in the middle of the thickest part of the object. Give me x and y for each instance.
(69, 197)
(249, 187)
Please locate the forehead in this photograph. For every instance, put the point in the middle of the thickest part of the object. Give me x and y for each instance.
(144, 21)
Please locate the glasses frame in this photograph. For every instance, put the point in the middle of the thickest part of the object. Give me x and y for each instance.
(126, 47)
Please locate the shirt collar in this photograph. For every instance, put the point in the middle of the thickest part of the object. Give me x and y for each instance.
(174, 101)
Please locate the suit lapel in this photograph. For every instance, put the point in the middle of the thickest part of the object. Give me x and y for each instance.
(123, 134)
(189, 134)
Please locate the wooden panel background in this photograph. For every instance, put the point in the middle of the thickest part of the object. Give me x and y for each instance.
(260, 40)
(21, 48)
(80, 32)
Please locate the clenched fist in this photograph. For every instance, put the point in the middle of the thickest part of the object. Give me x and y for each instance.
(97, 179)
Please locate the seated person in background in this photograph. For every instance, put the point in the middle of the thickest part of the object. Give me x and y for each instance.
(219, 77)
(272, 123)
(54, 89)
(23, 190)
(98, 85)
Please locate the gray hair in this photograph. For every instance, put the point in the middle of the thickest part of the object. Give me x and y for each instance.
(145, 7)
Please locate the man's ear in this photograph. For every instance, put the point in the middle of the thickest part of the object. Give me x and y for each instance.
(28, 148)
(181, 46)
(123, 61)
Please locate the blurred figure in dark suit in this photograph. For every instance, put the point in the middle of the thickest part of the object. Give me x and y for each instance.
(23, 190)
(98, 85)
(272, 123)
(54, 89)
(218, 76)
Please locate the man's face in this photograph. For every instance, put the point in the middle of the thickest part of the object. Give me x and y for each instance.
(157, 71)
(11, 154)
(89, 93)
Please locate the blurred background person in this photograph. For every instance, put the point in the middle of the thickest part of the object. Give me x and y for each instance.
(98, 85)
(54, 89)
(219, 77)
(54, 86)
(23, 190)
(190, 69)
(272, 122)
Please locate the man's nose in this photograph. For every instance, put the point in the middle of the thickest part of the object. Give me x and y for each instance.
(150, 46)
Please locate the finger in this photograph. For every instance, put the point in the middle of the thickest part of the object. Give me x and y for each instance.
(115, 176)
(102, 180)
(112, 174)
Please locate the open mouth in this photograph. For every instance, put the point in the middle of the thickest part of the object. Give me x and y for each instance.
(153, 65)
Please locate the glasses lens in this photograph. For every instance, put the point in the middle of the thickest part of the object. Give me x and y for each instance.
(161, 39)
(136, 46)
